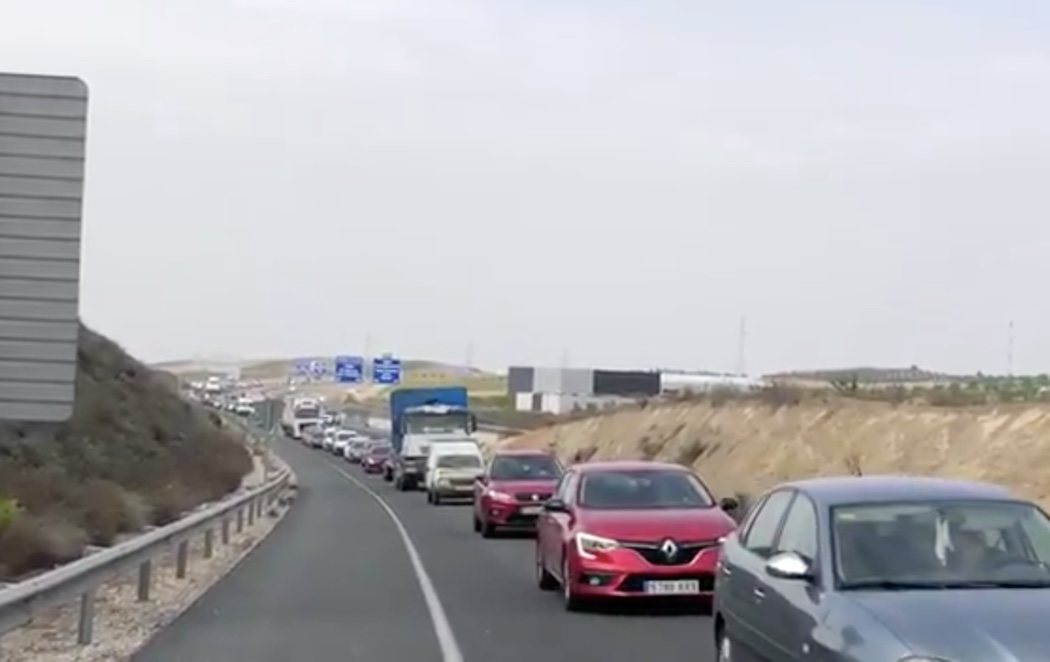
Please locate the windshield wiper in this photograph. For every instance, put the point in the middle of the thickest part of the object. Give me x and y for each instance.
(999, 583)
(891, 585)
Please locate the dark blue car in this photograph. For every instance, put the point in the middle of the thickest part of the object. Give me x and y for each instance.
(886, 569)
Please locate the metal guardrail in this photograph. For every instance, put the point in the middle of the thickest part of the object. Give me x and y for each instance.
(80, 580)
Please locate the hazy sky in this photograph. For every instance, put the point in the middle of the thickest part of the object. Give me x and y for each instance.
(869, 182)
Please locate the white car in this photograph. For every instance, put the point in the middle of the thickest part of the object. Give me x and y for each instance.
(452, 469)
(356, 449)
(327, 440)
(342, 441)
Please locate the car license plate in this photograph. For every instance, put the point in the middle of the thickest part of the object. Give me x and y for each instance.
(673, 587)
(531, 510)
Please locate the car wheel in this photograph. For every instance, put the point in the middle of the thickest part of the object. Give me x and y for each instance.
(544, 579)
(725, 648)
(430, 497)
(487, 530)
(572, 601)
(477, 523)
(437, 499)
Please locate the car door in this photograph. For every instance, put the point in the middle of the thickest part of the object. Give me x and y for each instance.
(793, 607)
(554, 525)
(747, 589)
(480, 485)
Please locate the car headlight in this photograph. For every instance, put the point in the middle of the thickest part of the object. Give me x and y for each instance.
(503, 497)
(587, 544)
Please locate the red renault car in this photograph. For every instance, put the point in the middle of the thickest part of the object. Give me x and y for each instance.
(630, 530)
(512, 491)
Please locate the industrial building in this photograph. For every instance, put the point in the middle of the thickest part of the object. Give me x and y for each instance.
(563, 390)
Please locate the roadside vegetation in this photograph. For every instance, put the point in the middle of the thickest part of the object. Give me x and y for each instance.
(133, 455)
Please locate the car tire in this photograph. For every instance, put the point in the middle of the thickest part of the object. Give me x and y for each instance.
(569, 598)
(544, 579)
(724, 647)
(436, 499)
(477, 524)
(487, 530)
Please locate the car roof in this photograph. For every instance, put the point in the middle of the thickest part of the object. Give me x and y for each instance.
(885, 489)
(626, 465)
(523, 451)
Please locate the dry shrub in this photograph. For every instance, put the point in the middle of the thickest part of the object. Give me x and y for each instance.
(651, 447)
(778, 396)
(33, 543)
(690, 452)
(132, 454)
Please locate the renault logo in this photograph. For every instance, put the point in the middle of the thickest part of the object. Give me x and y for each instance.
(669, 549)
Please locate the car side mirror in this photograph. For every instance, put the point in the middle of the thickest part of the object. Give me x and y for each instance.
(728, 503)
(789, 565)
(556, 506)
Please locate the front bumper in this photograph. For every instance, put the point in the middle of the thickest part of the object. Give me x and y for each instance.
(624, 574)
(453, 490)
(512, 515)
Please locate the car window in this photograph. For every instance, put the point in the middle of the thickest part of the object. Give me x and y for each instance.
(562, 491)
(799, 533)
(647, 489)
(524, 467)
(763, 530)
(458, 461)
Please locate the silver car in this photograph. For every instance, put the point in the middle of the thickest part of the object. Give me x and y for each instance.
(887, 569)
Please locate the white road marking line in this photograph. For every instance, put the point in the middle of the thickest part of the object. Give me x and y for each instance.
(446, 639)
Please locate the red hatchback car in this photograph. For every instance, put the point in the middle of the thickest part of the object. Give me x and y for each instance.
(375, 457)
(512, 491)
(630, 530)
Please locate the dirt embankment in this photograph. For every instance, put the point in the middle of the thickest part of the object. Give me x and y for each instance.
(746, 446)
(134, 454)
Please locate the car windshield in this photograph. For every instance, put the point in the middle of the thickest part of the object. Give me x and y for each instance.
(458, 462)
(643, 489)
(941, 545)
(525, 467)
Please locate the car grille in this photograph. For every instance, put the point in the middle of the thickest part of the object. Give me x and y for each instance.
(651, 552)
(461, 482)
(531, 497)
(636, 583)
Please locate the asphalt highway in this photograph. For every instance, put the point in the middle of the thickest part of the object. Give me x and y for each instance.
(358, 575)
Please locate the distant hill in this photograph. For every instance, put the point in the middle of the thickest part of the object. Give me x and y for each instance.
(869, 375)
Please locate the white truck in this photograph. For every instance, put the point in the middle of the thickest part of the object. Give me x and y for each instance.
(299, 414)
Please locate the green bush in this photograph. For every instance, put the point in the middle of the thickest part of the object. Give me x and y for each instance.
(9, 510)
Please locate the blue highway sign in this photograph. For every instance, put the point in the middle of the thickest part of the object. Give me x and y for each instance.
(386, 370)
(349, 369)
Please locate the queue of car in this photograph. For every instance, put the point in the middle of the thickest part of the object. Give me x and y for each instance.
(850, 569)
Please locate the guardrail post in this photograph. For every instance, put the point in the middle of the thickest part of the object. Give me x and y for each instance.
(209, 542)
(225, 530)
(145, 578)
(240, 520)
(251, 513)
(182, 557)
(85, 627)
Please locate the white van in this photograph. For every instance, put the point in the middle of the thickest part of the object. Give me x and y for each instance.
(452, 469)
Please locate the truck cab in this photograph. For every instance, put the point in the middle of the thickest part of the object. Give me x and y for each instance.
(419, 419)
